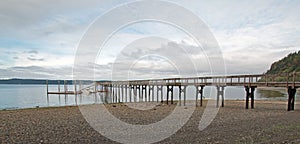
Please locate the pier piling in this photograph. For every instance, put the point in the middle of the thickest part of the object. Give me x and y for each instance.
(291, 98)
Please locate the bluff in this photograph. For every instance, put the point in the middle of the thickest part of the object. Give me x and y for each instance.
(288, 64)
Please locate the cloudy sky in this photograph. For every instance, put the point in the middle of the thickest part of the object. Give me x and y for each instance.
(40, 39)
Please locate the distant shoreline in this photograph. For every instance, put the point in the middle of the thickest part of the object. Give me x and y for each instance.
(39, 81)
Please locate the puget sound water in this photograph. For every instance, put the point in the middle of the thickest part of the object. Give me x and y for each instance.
(31, 96)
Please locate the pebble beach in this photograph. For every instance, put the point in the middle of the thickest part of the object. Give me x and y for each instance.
(268, 122)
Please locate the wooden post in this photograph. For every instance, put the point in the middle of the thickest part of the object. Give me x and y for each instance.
(184, 96)
(131, 88)
(47, 92)
(250, 94)
(126, 92)
(182, 89)
(149, 92)
(119, 93)
(75, 92)
(95, 92)
(220, 92)
(140, 93)
(201, 95)
(116, 93)
(159, 89)
(168, 94)
(152, 90)
(75, 87)
(122, 92)
(144, 91)
(135, 93)
(247, 96)
(196, 95)
(161, 93)
(95, 87)
(157, 94)
(65, 88)
(113, 93)
(58, 86)
(172, 94)
(291, 98)
(170, 91)
(153, 99)
(199, 92)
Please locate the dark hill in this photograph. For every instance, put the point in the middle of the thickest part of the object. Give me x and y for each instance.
(286, 69)
(288, 64)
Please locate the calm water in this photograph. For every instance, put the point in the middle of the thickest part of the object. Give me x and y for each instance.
(30, 96)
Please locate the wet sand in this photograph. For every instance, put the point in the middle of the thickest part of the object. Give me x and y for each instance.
(269, 122)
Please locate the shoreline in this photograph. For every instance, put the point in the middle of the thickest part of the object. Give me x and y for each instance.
(236, 100)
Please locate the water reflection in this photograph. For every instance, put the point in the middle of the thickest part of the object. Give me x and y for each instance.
(271, 93)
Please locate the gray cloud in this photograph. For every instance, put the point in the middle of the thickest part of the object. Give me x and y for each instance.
(30, 14)
(33, 52)
(35, 59)
(252, 36)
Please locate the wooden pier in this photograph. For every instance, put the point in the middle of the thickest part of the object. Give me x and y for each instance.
(152, 90)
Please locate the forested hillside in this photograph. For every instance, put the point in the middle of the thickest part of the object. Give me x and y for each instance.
(288, 64)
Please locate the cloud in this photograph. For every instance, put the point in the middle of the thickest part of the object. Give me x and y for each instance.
(251, 35)
(35, 59)
(253, 49)
(33, 52)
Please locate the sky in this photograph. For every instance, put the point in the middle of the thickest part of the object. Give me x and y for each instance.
(44, 39)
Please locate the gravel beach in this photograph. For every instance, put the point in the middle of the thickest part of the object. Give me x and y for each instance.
(269, 122)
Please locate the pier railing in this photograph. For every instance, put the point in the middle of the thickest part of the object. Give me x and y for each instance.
(259, 80)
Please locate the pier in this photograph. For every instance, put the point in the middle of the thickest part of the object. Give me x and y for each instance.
(153, 89)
